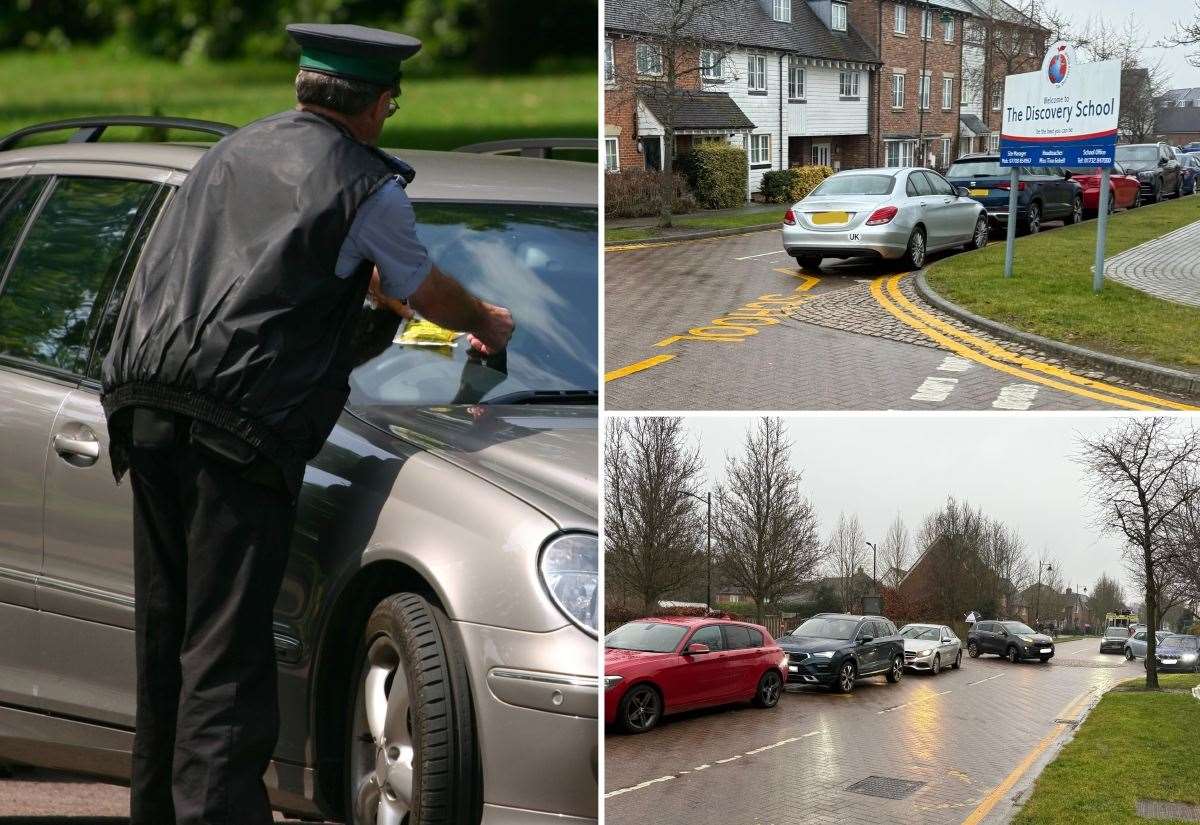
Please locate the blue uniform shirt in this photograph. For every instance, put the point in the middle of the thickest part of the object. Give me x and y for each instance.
(385, 231)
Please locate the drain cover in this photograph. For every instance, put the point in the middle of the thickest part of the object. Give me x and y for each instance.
(885, 787)
(1174, 811)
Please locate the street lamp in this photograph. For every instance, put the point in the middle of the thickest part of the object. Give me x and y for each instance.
(1037, 610)
(707, 499)
(874, 575)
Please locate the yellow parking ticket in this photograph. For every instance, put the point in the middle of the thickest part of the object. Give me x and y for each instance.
(418, 332)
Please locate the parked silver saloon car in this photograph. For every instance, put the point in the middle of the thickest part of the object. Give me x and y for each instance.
(884, 214)
(461, 485)
(1136, 645)
(931, 647)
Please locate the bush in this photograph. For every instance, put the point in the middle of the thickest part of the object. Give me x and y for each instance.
(637, 194)
(804, 179)
(777, 186)
(717, 172)
(1194, 630)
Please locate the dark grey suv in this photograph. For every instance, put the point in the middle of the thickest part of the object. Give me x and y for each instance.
(1012, 640)
(454, 487)
(836, 649)
(1157, 169)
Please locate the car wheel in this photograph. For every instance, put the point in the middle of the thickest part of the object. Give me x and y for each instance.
(914, 255)
(1112, 202)
(957, 660)
(1128, 654)
(411, 754)
(972, 649)
(812, 262)
(937, 665)
(1033, 224)
(1011, 654)
(982, 233)
(896, 673)
(769, 688)
(845, 677)
(640, 710)
(1178, 188)
(1044, 659)
(1158, 195)
(1077, 211)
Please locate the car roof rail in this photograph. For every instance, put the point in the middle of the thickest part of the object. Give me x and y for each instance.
(529, 147)
(89, 129)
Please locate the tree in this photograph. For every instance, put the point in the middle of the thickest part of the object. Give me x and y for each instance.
(1183, 564)
(764, 526)
(895, 552)
(654, 533)
(846, 552)
(1106, 597)
(1186, 35)
(1004, 556)
(1142, 474)
(1141, 85)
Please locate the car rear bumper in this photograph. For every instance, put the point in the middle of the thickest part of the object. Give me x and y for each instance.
(873, 242)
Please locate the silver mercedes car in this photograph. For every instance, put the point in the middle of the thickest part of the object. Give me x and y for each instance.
(454, 486)
(903, 213)
(931, 647)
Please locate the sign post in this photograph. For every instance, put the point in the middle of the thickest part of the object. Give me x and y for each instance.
(1101, 233)
(1062, 116)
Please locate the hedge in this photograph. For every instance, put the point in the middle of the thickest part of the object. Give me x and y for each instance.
(638, 194)
(791, 185)
(717, 172)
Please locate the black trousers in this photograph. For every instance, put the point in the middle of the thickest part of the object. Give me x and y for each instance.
(210, 548)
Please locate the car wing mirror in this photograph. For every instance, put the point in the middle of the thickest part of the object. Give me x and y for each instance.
(1067, 175)
(962, 191)
(696, 648)
(862, 640)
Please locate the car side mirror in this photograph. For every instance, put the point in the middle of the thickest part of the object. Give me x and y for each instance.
(696, 648)
(1067, 174)
(1162, 161)
(962, 191)
(865, 639)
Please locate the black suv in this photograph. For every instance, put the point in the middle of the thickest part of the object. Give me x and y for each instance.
(835, 649)
(1044, 193)
(1012, 640)
(1156, 167)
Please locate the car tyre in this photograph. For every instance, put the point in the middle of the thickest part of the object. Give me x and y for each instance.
(936, 668)
(957, 660)
(411, 751)
(1178, 188)
(1158, 194)
(1044, 659)
(769, 688)
(1077, 211)
(896, 672)
(1012, 655)
(812, 262)
(640, 710)
(982, 234)
(1128, 654)
(973, 649)
(914, 254)
(847, 673)
(1033, 223)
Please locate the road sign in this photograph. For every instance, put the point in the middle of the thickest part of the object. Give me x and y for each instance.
(1063, 115)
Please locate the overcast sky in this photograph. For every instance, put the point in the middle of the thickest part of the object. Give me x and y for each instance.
(1016, 468)
(1157, 18)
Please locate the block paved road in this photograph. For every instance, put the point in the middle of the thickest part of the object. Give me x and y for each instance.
(733, 324)
(960, 733)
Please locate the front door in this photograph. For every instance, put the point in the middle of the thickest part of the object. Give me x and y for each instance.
(820, 154)
(702, 679)
(652, 152)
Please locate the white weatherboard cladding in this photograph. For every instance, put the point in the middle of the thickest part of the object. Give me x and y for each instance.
(973, 57)
(824, 112)
(762, 109)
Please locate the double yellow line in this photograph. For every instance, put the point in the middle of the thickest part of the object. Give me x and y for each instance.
(886, 291)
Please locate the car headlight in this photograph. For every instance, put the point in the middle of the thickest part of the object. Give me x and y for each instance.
(611, 682)
(824, 654)
(1188, 657)
(1026, 639)
(570, 571)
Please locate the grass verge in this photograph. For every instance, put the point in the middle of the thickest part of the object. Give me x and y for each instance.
(1135, 744)
(697, 223)
(1050, 293)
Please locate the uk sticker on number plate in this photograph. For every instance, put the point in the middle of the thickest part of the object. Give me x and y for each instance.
(853, 236)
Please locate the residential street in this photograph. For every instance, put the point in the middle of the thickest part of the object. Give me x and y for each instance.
(733, 323)
(960, 735)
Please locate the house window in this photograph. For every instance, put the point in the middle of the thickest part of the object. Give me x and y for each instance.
(795, 79)
(710, 64)
(927, 24)
(610, 66)
(781, 10)
(612, 157)
(756, 73)
(964, 145)
(848, 84)
(964, 93)
(899, 152)
(948, 31)
(839, 17)
(649, 60)
(820, 154)
(901, 18)
(760, 150)
(923, 91)
(897, 90)
(994, 143)
(947, 92)
(945, 152)
(997, 96)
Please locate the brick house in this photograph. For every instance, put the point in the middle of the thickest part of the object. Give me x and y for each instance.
(1178, 120)
(788, 80)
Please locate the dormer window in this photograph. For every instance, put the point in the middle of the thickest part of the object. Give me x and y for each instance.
(839, 17)
(781, 10)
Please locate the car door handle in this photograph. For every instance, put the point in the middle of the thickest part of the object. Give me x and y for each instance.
(82, 452)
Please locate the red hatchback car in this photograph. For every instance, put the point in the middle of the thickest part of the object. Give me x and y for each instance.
(653, 667)
(1124, 189)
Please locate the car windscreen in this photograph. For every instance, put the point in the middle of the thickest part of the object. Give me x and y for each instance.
(1017, 627)
(651, 637)
(538, 261)
(1138, 157)
(856, 185)
(977, 169)
(825, 628)
(914, 631)
(1182, 642)
(1116, 633)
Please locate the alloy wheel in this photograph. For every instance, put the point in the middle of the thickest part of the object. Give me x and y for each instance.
(937, 665)
(1035, 219)
(384, 757)
(973, 650)
(846, 677)
(1128, 655)
(642, 708)
(958, 660)
(897, 669)
(769, 688)
(981, 233)
(1077, 210)
(916, 249)
(1012, 655)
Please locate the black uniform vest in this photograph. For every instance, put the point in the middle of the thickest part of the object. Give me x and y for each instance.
(234, 315)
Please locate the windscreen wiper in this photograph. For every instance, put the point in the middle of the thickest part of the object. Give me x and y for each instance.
(580, 397)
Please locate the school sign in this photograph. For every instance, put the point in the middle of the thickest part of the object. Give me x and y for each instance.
(1064, 115)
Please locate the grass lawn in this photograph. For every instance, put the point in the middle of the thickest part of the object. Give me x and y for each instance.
(1050, 293)
(697, 223)
(1058, 640)
(441, 112)
(1134, 744)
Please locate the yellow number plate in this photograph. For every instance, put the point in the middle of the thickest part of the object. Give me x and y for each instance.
(830, 217)
(980, 193)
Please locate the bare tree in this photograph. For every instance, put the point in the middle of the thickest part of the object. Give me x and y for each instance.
(845, 553)
(1106, 597)
(1142, 474)
(654, 533)
(764, 526)
(1005, 557)
(1186, 35)
(1183, 565)
(896, 551)
(1141, 84)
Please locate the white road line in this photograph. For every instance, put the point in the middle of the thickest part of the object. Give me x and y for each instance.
(988, 679)
(730, 759)
(955, 363)
(1016, 397)
(759, 255)
(913, 702)
(935, 388)
(638, 786)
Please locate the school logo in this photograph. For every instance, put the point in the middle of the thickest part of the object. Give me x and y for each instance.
(1058, 63)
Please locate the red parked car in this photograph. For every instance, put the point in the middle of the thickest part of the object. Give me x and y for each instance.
(653, 667)
(1124, 189)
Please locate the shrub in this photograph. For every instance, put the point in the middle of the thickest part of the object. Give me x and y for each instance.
(776, 185)
(637, 194)
(804, 179)
(717, 172)
(1194, 630)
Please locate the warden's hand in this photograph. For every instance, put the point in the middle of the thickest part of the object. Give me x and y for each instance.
(496, 330)
(397, 306)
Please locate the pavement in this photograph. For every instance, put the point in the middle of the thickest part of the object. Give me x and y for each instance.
(972, 740)
(733, 324)
(769, 211)
(1166, 267)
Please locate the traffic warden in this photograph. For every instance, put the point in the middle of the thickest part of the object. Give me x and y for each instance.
(227, 372)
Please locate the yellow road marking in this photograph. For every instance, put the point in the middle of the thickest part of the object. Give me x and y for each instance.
(967, 352)
(992, 799)
(996, 351)
(807, 282)
(638, 367)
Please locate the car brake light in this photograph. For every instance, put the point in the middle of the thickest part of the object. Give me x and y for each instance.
(1006, 187)
(881, 216)
(789, 218)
